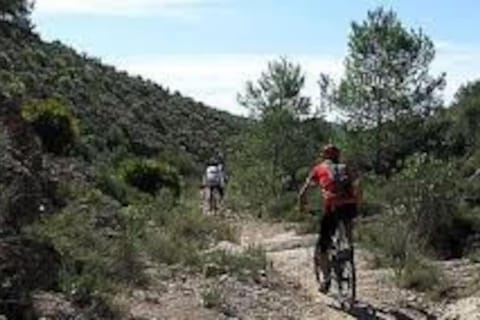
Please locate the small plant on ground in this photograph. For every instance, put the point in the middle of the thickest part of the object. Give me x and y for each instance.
(181, 233)
(213, 297)
(243, 265)
(424, 276)
(474, 256)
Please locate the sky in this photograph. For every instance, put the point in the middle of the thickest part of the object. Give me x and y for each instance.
(208, 49)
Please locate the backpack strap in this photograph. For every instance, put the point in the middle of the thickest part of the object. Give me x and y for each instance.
(331, 171)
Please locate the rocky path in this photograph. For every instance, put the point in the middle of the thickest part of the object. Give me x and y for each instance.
(288, 289)
(379, 298)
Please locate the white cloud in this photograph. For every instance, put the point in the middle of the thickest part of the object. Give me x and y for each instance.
(122, 7)
(460, 62)
(217, 78)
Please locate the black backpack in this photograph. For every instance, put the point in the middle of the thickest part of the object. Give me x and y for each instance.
(341, 179)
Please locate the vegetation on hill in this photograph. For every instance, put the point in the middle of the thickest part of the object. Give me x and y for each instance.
(116, 112)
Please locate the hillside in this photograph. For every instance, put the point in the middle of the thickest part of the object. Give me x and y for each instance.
(83, 213)
(115, 110)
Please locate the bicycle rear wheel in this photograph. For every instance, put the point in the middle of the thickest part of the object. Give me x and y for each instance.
(214, 200)
(343, 265)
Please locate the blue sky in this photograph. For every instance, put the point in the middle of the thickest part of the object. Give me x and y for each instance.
(209, 48)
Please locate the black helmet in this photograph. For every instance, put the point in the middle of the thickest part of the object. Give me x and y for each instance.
(213, 162)
(331, 151)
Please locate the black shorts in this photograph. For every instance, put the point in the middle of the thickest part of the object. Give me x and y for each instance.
(219, 188)
(329, 224)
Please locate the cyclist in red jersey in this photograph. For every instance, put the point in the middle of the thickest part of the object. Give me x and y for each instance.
(340, 193)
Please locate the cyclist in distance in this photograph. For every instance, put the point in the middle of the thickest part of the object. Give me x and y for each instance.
(340, 192)
(214, 178)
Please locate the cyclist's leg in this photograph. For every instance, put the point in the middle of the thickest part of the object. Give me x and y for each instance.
(218, 196)
(317, 253)
(222, 187)
(327, 229)
(349, 212)
(211, 190)
(221, 191)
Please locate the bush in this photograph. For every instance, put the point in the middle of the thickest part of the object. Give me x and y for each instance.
(150, 176)
(425, 195)
(373, 197)
(422, 276)
(182, 161)
(182, 233)
(95, 258)
(421, 204)
(250, 186)
(101, 243)
(165, 247)
(392, 242)
(284, 207)
(54, 124)
(112, 186)
(242, 265)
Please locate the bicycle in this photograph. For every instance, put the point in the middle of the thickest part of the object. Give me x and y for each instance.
(213, 200)
(342, 265)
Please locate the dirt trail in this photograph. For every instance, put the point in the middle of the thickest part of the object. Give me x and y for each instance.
(292, 256)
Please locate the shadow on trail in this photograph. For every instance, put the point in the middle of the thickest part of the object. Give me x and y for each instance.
(365, 311)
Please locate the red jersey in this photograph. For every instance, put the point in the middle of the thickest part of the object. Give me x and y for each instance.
(322, 175)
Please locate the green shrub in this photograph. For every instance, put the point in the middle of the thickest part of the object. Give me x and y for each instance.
(242, 265)
(113, 187)
(11, 85)
(182, 161)
(150, 176)
(284, 207)
(425, 196)
(394, 244)
(251, 186)
(95, 258)
(422, 276)
(182, 233)
(302, 174)
(201, 229)
(392, 241)
(421, 205)
(54, 123)
(373, 198)
(167, 248)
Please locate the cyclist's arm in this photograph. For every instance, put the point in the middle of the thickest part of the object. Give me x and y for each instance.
(302, 196)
